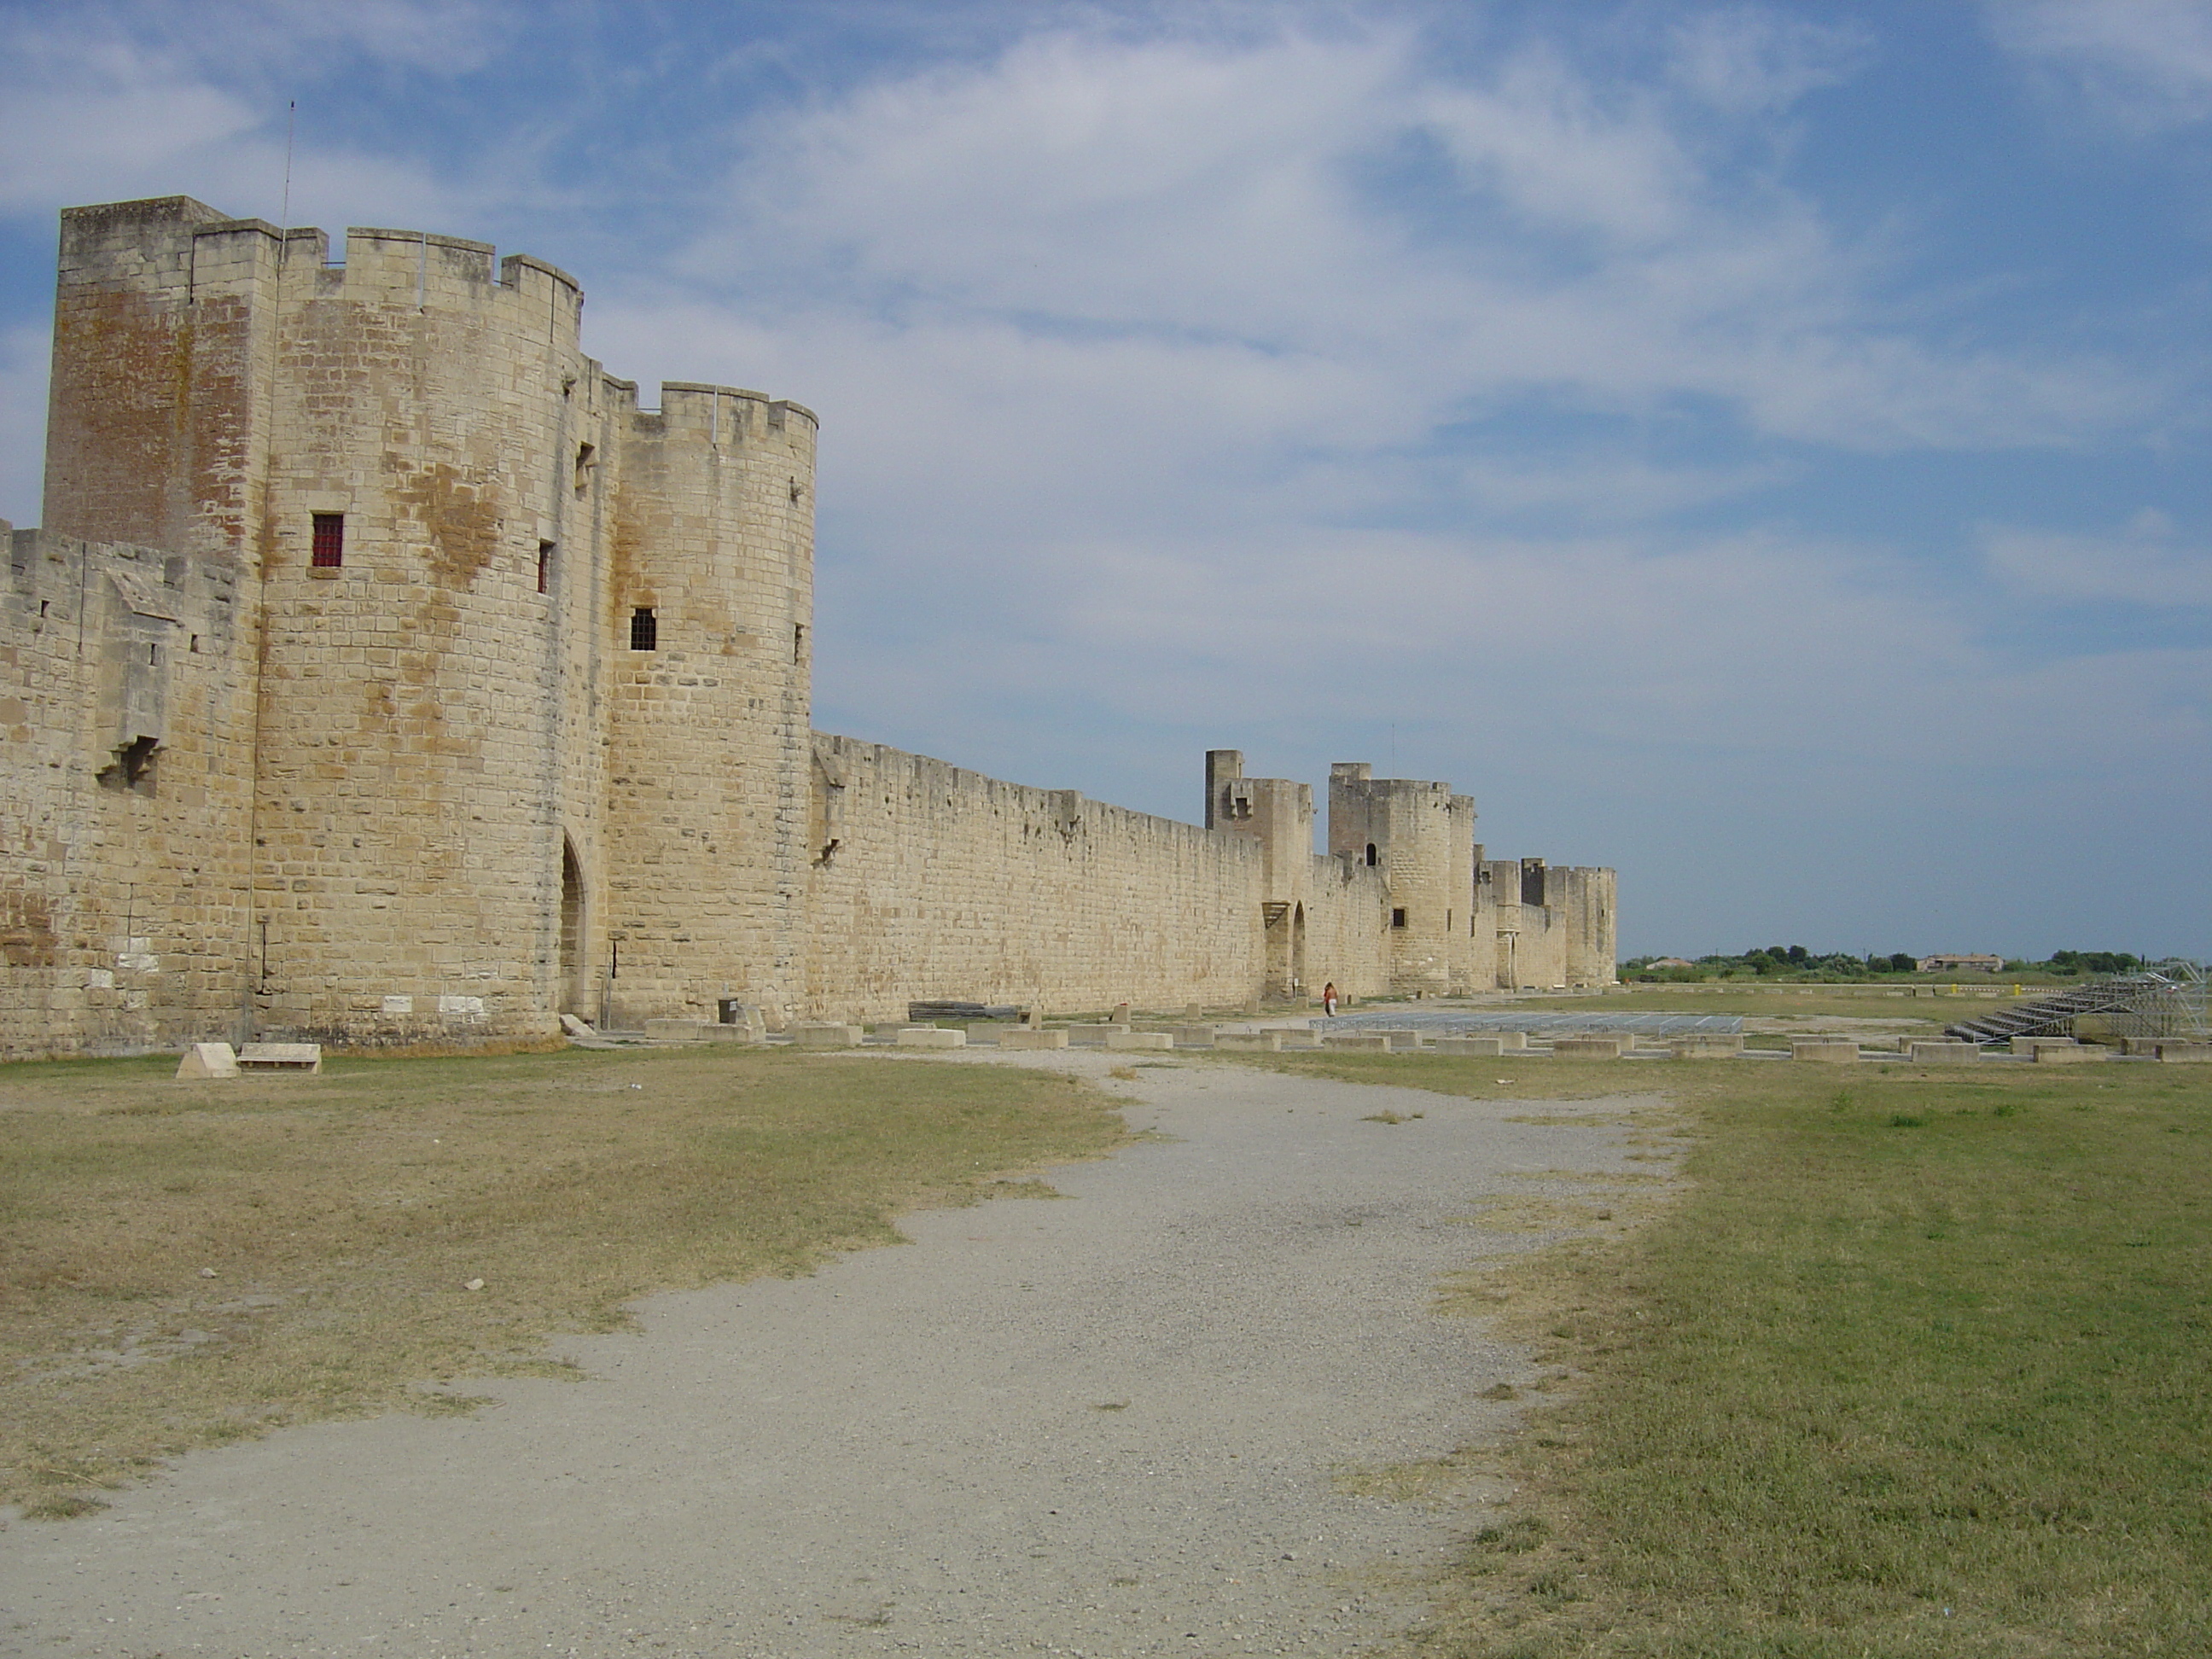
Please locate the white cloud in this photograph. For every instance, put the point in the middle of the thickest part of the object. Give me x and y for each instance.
(2144, 63)
(111, 103)
(2145, 562)
(1743, 59)
(1223, 204)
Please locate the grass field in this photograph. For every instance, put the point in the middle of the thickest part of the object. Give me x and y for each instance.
(1915, 1364)
(184, 1264)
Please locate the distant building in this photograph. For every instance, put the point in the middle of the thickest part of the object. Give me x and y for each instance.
(1961, 964)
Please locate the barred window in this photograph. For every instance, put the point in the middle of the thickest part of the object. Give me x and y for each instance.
(644, 629)
(330, 541)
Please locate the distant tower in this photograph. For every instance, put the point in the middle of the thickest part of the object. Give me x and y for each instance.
(1421, 837)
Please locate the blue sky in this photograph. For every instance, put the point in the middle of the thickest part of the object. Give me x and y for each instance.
(1760, 447)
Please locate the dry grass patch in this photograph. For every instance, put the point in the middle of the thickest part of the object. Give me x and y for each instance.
(184, 1264)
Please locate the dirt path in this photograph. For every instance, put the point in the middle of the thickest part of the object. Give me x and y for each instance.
(1116, 1425)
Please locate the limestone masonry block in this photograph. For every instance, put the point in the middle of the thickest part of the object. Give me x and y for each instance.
(208, 1060)
(930, 1036)
(1122, 1037)
(1706, 1045)
(1019, 1038)
(2029, 1045)
(1943, 1053)
(1486, 1046)
(1254, 1042)
(1374, 1040)
(306, 1058)
(1827, 1051)
(2069, 1054)
(821, 1035)
(2192, 1052)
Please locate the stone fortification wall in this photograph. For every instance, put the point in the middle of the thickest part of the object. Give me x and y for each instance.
(711, 741)
(929, 881)
(125, 700)
(1584, 899)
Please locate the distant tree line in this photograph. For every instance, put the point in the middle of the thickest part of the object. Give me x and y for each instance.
(1795, 962)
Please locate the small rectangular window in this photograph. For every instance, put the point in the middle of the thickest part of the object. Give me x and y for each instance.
(1397, 918)
(644, 629)
(544, 564)
(798, 642)
(330, 541)
(586, 458)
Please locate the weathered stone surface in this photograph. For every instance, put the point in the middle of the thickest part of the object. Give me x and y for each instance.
(1471, 1046)
(1941, 1054)
(816, 1035)
(1250, 1041)
(306, 1058)
(928, 1037)
(208, 1060)
(1020, 1038)
(1121, 1038)
(1827, 1051)
(1706, 1045)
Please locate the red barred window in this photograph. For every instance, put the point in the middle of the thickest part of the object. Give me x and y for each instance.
(329, 540)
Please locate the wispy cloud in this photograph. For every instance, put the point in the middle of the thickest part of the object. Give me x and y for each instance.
(2145, 562)
(2145, 64)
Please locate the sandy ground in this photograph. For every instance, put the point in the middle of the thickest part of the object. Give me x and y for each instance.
(1116, 1423)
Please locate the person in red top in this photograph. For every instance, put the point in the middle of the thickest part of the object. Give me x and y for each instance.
(1328, 999)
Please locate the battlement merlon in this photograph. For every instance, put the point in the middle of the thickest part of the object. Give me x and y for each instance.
(177, 242)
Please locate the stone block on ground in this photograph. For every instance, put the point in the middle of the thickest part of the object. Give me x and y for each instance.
(1373, 1040)
(2029, 1045)
(208, 1060)
(1589, 1047)
(816, 1034)
(675, 1031)
(306, 1058)
(1706, 1045)
(1021, 1038)
(1827, 1051)
(2170, 1049)
(1249, 1041)
(2069, 1054)
(1489, 1046)
(1942, 1053)
(575, 1027)
(1193, 1036)
(931, 1037)
(1400, 1041)
(1121, 1037)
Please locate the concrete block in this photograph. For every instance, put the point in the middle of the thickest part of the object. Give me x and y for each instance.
(1122, 1037)
(1401, 1042)
(1923, 1054)
(1372, 1040)
(818, 1034)
(1594, 1047)
(1827, 1051)
(1021, 1038)
(1087, 1037)
(1193, 1036)
(2029, 1045)
(2068, 1053)
(573, 1026)
(1706, 1045)
(1249, 1041)
(675, 1031)
(932, 1036)
(304, 1057)
(208, 1060)
(1489, 1046)
(2196, 1053)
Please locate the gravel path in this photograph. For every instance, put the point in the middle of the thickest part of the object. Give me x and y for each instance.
(1117, 1424)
